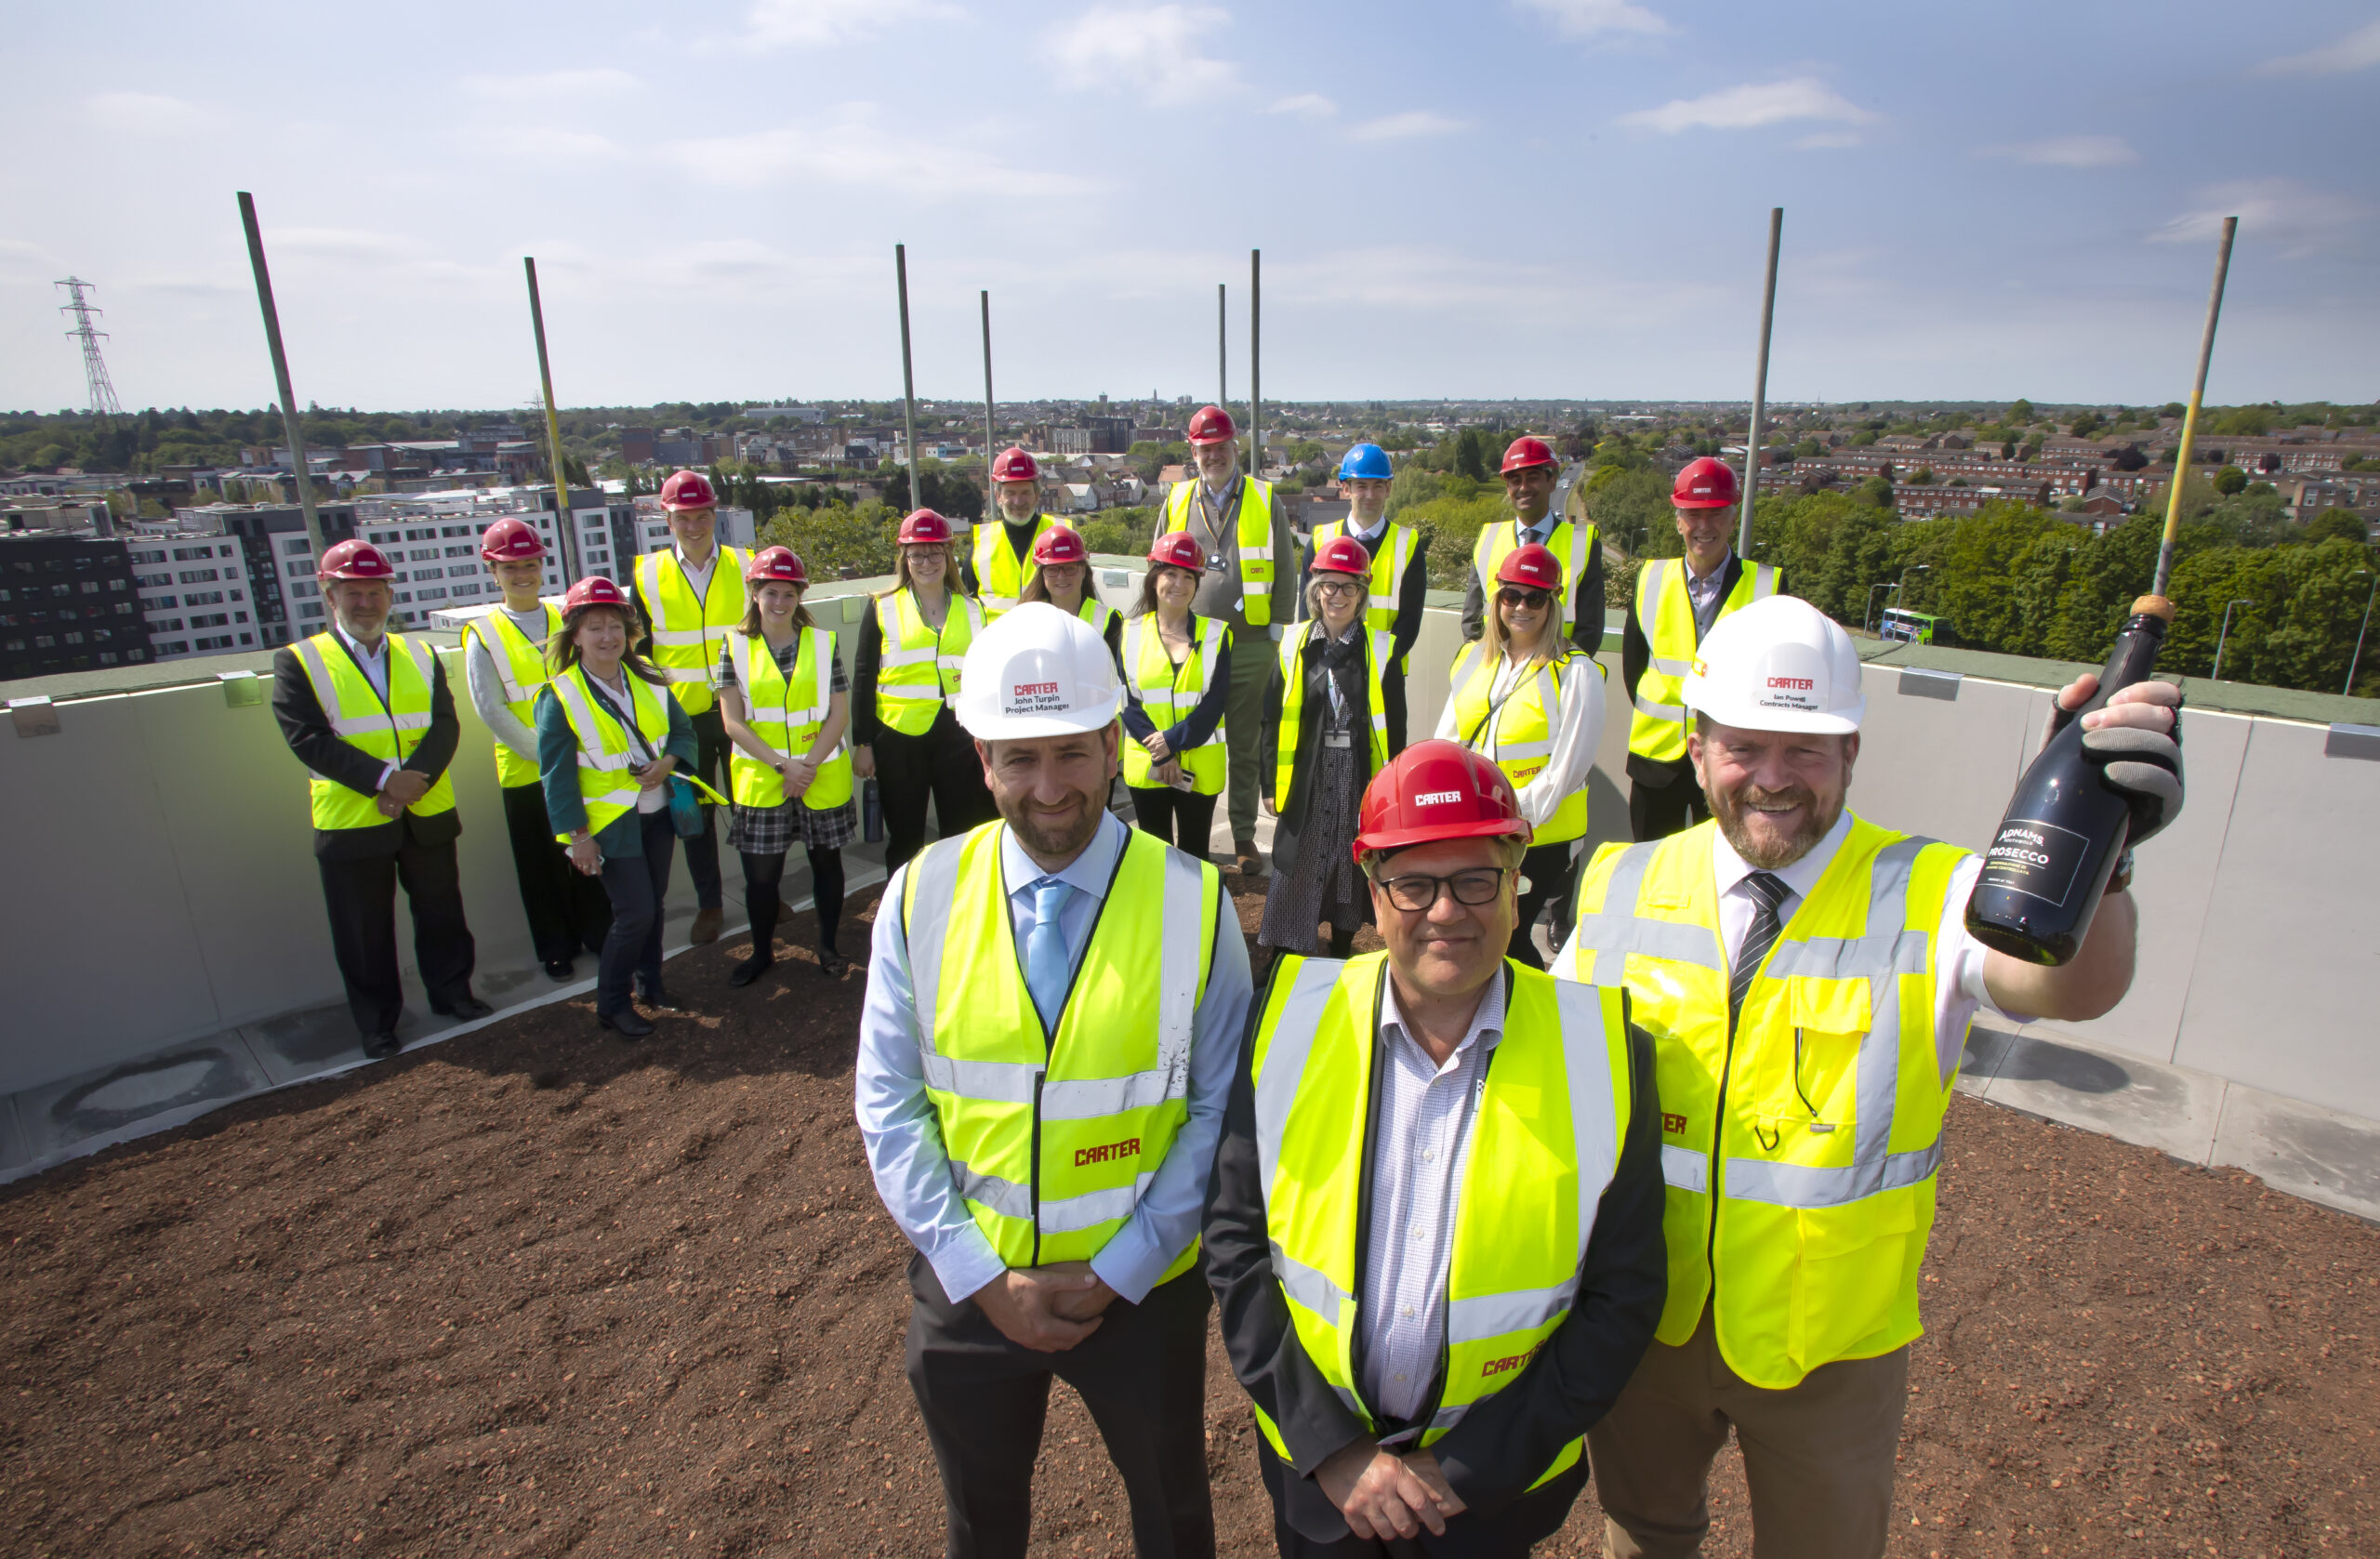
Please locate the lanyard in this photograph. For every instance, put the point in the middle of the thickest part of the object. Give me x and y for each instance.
(627, 727)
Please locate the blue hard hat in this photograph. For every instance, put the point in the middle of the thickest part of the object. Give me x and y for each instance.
(1367, 462)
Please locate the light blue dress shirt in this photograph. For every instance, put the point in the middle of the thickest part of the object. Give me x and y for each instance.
(903, 1139)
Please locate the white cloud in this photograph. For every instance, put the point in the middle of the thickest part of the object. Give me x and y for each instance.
(1745, 108)
(2277, 212)
(822, 23)
(1584, 18)
(1305, 105)
(551, 85)
(2360, 50)
(2069, 152)
(1408, 125)
(1152, 50)
(860, 150)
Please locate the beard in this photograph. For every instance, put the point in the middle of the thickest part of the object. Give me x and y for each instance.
(1766, 851)
(1066, 839)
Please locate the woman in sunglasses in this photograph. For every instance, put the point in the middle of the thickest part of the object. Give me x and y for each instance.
(1529, 699)
(1325, 735)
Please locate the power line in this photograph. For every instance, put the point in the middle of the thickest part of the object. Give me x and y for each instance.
(95, 369)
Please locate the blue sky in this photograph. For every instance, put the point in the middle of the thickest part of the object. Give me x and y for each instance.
(1511, 197)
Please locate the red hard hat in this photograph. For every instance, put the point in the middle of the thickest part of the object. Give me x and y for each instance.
(1211, 424)
(355, 559)
(1532, 566)
(1059, 545)
(1015, 465)
(1179, 548)
(924, 528)
(1526, 451)
(595, 591)
(688, 490)
(509, 541)
(1705, 484)
(1341, 554)
(1437, 790)
(776, 564)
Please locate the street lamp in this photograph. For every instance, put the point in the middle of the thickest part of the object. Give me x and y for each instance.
(1868, 610)
(2217, 675)
(1898, 596)
(2358, 658)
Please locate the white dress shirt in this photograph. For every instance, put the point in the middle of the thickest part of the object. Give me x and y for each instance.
(904, 1138)
(698, 574)
(1578, 729)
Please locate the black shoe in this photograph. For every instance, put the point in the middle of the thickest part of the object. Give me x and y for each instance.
(381, 1047)
(628, 1022)
(659, 999)
(466, 1006)
(558, 969)
(833, 964)
(751, 969)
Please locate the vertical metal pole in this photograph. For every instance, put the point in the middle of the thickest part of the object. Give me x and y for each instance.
(2220, 638)
(908, 383)
(565, 522)
(1760, 385)
(1255, 391)
(2347, 689)
(991, 488)
(1223, 380)
(2189, 418)
(281, 379)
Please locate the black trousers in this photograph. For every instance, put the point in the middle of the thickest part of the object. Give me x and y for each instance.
(1655, 814)
(568, 910)
(1142, 1374)
(636, 885)
(1182, 818)
(711, 748)
(1509, 1534)
(1392, 706)
(1547, 866)
(942, 765)
(361, 898)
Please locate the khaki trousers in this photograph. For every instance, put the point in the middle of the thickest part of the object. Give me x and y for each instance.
(1818, 1457)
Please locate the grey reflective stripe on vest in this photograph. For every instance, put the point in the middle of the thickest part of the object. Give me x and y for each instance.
(1763, 581)
(1688, 1169)
(1880, 958)
(1070, 1215)
(499, 651)
(1602, 941)
(1285, 1059)
(935, 870)
(344, 724)
(1003, 1196)
(582, 720)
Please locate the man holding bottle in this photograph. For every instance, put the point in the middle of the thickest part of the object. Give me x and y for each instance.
(1809, 980)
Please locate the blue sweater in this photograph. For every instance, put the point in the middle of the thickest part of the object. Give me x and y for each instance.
(558, 769)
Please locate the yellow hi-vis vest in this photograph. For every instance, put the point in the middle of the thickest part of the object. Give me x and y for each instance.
(389, 731)
(685, 631)
(1000, 572)
(1544, 1144)
(786, 712)
(1399, 546)
(1800, 1152)
(1517, 735)
(1285, 754)
(520, 670)
(1255, 541)
(604, 754)
(1095, 612)
(1665, 615)
(1053, 1137)
(1573, 545)
(919, 667)
(1168, 696)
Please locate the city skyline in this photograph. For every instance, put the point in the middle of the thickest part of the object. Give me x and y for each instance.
(1544, 199)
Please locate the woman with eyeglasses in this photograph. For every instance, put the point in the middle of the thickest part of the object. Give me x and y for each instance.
(1529, 699)
(1325, 735)
(903, 675)
(1177, 679)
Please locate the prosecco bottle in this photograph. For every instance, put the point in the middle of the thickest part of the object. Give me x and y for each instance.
(2064, 829)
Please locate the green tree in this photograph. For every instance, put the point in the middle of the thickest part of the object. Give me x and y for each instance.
(2230, 480)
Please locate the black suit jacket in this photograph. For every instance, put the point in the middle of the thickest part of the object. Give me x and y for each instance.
(1586, 602)
(1505, 1441)
(307, 731)
(1635, 654)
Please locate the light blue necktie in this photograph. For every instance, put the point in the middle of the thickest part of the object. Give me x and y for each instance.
(1045, 950)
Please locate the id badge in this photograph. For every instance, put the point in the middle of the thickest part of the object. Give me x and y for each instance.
(1214, 563)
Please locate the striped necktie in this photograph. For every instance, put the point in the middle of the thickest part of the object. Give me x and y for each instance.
(1768, 891)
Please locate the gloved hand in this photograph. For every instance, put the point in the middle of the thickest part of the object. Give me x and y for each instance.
(2135, 740)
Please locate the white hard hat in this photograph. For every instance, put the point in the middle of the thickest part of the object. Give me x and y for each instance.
(1038, 672)
(1780, 664)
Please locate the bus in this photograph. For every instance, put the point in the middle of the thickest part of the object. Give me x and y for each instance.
(1915, 628)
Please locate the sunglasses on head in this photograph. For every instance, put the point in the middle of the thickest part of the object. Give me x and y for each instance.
(1513, 595)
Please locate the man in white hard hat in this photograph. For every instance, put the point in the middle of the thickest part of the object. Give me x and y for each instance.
(1054, 1010)
(1808, 979)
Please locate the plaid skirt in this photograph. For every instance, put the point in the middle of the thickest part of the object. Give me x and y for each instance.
(774, 830)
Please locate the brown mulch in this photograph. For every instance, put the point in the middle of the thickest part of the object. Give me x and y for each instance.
(537, 1292)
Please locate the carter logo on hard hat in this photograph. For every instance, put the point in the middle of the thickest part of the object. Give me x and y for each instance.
(1436, 798)
(1029, 699)
(1801, 683)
